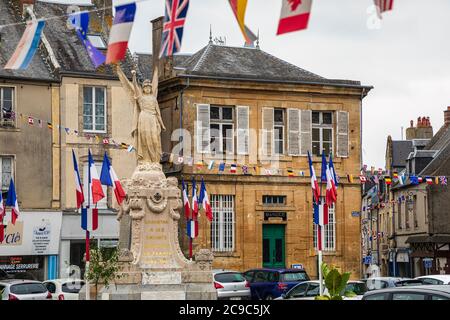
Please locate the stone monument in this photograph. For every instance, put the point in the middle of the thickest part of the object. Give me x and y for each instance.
(152, 263)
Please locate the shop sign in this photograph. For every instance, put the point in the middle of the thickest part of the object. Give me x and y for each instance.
(35, 233)
(268, 215)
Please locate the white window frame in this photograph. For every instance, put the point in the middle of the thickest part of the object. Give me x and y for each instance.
(13, 109)
(1, 171)
(329, 241)
(220, 122)
(102, 204)
(223, 226)
(94, 106)
(283, 127)
(321, 126)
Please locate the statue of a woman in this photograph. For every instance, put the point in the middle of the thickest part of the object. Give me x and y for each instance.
(147, 120)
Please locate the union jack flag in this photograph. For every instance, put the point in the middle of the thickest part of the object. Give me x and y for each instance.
(175, 17)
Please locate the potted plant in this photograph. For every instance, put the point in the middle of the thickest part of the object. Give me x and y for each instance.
(335, 282)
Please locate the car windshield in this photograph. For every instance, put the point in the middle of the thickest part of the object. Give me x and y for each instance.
(28, 288)
(294, 276)
(376, 284)
(72, 287)
(358, 288)
(229, 277)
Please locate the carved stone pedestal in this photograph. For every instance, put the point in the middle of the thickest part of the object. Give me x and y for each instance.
(152, 264)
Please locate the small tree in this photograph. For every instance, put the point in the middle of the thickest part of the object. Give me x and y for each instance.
(335, 282)
(103, 267)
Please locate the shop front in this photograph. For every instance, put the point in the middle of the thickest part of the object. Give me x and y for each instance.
(31, 246)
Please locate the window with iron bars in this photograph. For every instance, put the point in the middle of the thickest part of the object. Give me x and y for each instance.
(223, 224)
(329, 243)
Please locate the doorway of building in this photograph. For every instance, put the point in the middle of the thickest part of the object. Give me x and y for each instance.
(274, 246)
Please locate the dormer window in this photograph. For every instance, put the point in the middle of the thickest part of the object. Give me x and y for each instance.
(97, 41)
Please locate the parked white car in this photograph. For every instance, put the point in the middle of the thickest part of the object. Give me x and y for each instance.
(14, 289)
(231, 285)
(64, 289)
(308, 290)
(435, 279)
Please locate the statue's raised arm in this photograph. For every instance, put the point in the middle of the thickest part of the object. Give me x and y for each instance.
(131, 88)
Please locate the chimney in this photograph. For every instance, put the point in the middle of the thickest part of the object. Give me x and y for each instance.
(423, 129)
(165, 65)
(24, 4)
(447, 116)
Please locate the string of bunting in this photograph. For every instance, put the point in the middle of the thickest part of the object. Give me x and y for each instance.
(34, 121)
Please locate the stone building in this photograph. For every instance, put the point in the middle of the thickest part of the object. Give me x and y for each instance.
(420, 215)
(26, 143)
(246, 107)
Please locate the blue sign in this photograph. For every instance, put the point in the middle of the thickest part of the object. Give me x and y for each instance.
(428, 263)
(356, 214)
(297, 266)
(368, 260)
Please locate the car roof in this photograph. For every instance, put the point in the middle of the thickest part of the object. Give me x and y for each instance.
(218, 271)
(281, 270)
(64, 280)
(436, 276)
(17, 281)
(424, 288)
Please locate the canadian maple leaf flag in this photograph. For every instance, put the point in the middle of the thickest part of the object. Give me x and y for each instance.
(294, 15)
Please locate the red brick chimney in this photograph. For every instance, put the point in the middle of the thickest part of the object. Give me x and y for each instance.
(447, 116)
(423, 129)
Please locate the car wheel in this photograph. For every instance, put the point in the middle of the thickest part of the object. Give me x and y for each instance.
(269, 297)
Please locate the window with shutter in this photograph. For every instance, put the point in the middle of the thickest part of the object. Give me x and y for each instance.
(306, 132)
(342, 134)
(294, 132)
(242, 130)
(203, 130)
(267, 131)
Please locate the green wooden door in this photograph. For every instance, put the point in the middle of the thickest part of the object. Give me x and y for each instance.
(273, 246)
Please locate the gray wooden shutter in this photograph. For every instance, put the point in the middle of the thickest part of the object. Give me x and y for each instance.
(342, 149)
(293, 132)
(306, 132)
(242, 130)
(267, 131)
(203, 136)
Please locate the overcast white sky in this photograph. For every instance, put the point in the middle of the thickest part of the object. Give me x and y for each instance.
(406, 60)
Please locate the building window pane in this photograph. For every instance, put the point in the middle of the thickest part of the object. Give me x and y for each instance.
(94, 109)
(6, 172)
(7, 114)
(322, 133)
(329, 231)
(222, 129)
(223, 224)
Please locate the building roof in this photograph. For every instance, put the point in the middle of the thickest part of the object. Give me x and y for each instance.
(10, 36)
(440, 165)
(67, 47)
(400, 152)
(241, 63)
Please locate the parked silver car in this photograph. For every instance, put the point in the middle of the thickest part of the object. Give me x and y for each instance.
(231, 285)
(14, 289)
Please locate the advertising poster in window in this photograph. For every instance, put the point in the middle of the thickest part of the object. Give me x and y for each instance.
(35, 233)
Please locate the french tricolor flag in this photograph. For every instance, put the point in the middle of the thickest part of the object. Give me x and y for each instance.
(11, 201)
(192, 229)
(294, 15)
(78, 185)
(108, 177)
(95, 186)
(187, 206)
(194, 200)
(314, 183)
(27, 46)
(120, 32)
(204, 200)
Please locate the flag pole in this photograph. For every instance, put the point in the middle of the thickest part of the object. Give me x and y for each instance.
(88, 289)
(319, 235)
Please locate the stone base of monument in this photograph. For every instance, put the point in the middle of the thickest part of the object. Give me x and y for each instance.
(152, 264)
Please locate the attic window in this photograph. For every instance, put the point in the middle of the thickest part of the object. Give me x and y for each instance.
(97, 41)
